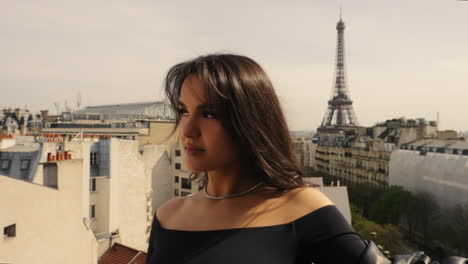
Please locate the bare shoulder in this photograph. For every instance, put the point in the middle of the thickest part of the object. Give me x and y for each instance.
(166, 211)
(302, 201)
(177, 208)
(309, 196)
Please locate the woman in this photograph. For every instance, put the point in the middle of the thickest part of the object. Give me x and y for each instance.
(254, 207)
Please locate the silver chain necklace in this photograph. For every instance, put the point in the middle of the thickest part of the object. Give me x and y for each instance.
(231, 195)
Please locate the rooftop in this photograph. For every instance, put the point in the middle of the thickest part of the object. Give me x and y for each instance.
(129, 111)
(32, 147)
(450, 146)
(125, 104)
(120, 254)
(459, 145)
(436, 143)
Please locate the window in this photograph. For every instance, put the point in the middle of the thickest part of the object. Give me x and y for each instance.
(93, 158)
(176, 192)
(186, 183)
(92, 186)
(184, 193)
(24, 164)
(176, 179)
(5, 164)
(9, 231)
(177, 166)
(177, 152)
(92, 212)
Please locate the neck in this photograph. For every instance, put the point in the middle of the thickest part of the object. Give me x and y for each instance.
(221, 183)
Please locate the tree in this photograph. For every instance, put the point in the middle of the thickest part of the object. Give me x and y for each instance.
(422, 210)
(363, 196)
(458, 225)
(388, 236)
(391, 206)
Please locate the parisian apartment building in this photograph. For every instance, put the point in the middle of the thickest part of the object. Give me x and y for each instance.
(362, 155)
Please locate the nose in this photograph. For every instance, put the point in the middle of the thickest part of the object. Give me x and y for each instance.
(189, 127)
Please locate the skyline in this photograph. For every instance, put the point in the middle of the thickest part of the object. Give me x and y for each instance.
(402, 59)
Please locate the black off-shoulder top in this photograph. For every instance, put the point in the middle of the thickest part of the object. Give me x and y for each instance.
(322, 236)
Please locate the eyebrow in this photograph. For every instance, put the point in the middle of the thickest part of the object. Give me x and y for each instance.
(200, 107)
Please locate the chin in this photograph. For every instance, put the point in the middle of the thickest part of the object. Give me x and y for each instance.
(199, 169)
(197, 166)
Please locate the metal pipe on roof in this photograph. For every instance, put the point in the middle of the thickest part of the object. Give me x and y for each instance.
(134, 258)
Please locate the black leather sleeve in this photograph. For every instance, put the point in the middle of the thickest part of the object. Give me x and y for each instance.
(372, 255)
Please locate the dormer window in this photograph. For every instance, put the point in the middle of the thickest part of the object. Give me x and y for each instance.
(9, 231)
(25, 164)
(5, 164)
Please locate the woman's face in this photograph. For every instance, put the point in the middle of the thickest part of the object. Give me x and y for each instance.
(206, 143)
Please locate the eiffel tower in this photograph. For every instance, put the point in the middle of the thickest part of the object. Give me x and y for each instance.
(340, 112)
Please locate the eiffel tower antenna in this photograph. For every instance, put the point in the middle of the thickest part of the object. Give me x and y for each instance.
(78, 100)
(340, 112)
(341, 6)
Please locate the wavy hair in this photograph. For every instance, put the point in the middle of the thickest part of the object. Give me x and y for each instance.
(248, 108)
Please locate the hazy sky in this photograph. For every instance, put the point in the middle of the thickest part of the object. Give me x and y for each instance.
(403, 58)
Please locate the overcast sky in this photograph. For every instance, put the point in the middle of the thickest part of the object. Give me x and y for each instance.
(403, 58)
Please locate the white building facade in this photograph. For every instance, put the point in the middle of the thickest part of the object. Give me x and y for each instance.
(107, 189)
(182, 185)
(435, 168)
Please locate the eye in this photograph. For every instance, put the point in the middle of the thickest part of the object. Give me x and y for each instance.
(210, 115)
(182, 112)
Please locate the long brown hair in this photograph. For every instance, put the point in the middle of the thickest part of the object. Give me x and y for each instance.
(248, 108)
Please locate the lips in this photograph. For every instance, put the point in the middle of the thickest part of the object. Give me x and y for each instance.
(192, 149)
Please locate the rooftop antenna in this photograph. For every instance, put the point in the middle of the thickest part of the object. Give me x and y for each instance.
(78, 100)
(341, 7)
(57, 107)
